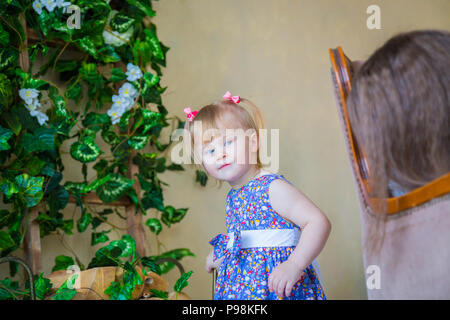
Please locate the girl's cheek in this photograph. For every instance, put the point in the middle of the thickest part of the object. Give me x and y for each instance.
(240, 153)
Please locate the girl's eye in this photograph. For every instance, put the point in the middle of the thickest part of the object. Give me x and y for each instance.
(230, 141)
(210, 151)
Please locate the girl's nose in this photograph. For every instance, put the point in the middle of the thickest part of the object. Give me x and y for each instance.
(222, 156)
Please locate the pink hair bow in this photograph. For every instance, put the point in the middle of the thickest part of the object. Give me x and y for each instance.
(235, 99)
(190, 115)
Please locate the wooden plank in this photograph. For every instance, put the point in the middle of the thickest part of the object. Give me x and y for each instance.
(134, 219)
(32, 240)
(92, 198)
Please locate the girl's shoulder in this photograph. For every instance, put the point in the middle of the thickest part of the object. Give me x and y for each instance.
(262, 180)
(269, 176)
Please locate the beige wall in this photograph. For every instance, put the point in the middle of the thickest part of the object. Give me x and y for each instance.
(276, 54)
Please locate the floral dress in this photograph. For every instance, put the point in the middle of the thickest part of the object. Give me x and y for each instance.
(244, 272)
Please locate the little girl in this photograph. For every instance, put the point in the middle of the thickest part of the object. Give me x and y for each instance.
(262, 256)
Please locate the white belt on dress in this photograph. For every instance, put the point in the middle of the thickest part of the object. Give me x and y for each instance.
(271, 238)
(266, 238)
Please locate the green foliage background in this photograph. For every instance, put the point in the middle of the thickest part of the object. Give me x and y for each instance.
(30, 158)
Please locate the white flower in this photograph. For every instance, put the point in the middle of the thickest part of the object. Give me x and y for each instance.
(115, 113)
(115, 38)
(37, 6)
(49, 4)
(63, 4)
(28, 95)
(41, 117)
(133, 72)
(122, 102)
(34, 105)
(128, 90)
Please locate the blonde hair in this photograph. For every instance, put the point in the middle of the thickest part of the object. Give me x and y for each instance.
(227, 114)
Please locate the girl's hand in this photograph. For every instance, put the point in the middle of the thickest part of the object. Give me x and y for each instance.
(210, 265)
(284, 277)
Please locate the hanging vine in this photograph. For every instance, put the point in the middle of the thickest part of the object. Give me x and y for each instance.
(118, 66)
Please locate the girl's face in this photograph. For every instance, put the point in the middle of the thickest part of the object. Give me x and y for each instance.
(227, 156)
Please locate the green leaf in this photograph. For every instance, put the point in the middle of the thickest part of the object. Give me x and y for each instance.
(29, 82)
(8, 57)
(6, 92)
(151, 264)
(121, 22)
(74, 91)
(143, 6)
(34, 165)
(148, 81)
(171, 215)
(138, 141)
(97, 183)
(6, 241)
(66, 291)
(42, 286)
(107, 54)
(8, 289)
(159, 294)
(153, 199)
(5, 134)
(177, 253)
(113, 189)
(62, 262)
(13, 120)
(30, 188)
(66, 65)
(125, 119)
(115, 291)
(58, 102)
(85, 150)
(182, 281)
(151, 119)
(87, 45)
(175, 167)
(4, 36)
(57, 199)
(152, 39)
(8, 188)
(95, 121)
(6, 218)
(110, 137)
(99, 237)
(201, 177)
(84, 221)
(117, 75)
(154, 225)
(67, 226)
(88, 72)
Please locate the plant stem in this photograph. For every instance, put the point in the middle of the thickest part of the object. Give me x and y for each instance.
(60, 53)
(67, 247)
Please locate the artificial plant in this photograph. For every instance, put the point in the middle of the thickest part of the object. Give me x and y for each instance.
(118, 66)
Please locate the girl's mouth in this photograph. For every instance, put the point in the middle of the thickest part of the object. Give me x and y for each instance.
(225, 165)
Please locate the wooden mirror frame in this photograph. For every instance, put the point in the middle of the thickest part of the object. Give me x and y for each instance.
(342, 69)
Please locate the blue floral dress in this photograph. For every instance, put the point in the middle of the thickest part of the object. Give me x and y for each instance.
(244, 272)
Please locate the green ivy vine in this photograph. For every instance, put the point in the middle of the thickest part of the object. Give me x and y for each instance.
(118, 65)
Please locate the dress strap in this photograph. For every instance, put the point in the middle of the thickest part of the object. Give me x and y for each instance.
(275, 176)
